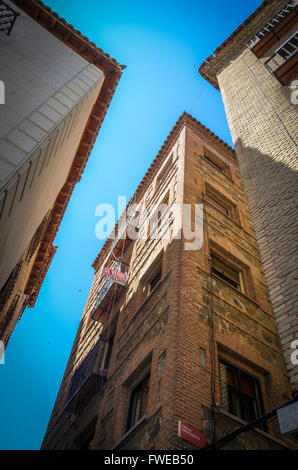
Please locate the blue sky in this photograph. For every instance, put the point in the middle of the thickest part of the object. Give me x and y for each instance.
(162, 43)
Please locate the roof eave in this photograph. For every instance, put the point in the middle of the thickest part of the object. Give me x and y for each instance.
(64, 31)
(210, 62)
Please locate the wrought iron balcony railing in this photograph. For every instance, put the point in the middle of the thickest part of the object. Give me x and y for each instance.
(285, 18)
(283, 63)
(110, 291)
(7, 18)
(88, 379)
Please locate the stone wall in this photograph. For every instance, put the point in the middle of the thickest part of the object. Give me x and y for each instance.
(262, 121)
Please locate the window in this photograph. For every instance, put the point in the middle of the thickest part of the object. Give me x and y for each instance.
(216, 162)
(84, 441)
(152, 276)
(138, 402)
(289, 48)
(229, 274)
(221, 203)
(240, 393)
(164, 172)
(283, 62)
(154, 281)
(108, 352)
(159, 218)
(218, 204)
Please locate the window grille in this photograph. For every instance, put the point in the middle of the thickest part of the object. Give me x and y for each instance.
(138, 402)
(265, 30)
(283, 54)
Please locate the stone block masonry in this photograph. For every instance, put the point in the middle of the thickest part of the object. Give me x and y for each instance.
(263, 121)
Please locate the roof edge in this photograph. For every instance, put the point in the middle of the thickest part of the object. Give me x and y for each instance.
(64, 31)
(212, 58)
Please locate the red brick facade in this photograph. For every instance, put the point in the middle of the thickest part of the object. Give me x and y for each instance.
(179, 324)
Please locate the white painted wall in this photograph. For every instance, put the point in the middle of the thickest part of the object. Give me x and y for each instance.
(44, 79)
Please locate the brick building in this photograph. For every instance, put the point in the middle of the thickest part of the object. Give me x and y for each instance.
(183, 339)
(255, 70)
(58, 86)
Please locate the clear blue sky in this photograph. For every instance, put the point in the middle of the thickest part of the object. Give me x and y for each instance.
(162, 43)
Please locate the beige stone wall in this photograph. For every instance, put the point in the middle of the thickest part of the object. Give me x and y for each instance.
(263, 124)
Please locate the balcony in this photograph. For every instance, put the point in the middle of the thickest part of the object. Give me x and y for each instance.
(283, 63)
(274, 30)
(88, 379)
(113, 286)
(7, 18)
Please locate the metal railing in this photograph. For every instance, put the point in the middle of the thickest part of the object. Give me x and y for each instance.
(86, 369)
(7, 18)
(102, 293)
(108, 284)
(265, 30)
(283, 54)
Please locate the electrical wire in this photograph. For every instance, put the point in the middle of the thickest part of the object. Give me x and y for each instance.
(199, 97)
